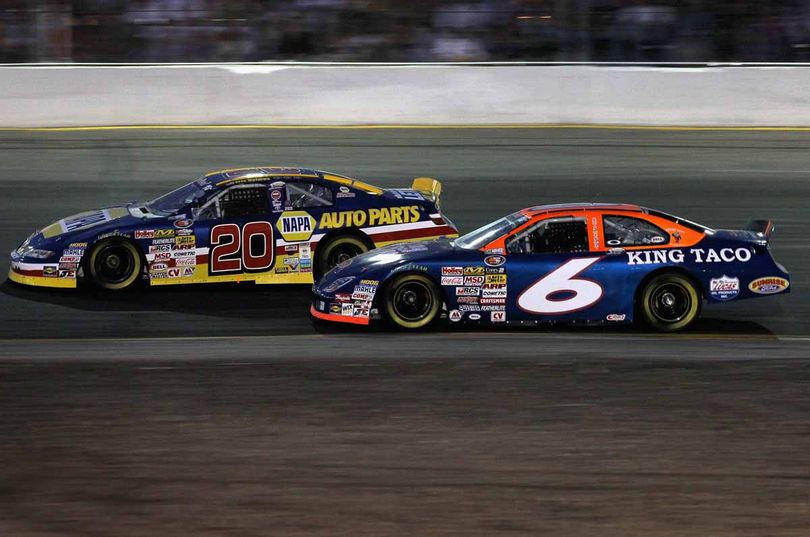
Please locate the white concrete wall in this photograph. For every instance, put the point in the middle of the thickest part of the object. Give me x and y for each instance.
(37, 96)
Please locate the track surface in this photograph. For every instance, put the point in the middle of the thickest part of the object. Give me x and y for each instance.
(272, 428)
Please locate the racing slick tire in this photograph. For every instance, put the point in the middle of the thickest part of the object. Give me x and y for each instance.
(114, 265)
(670, 302)
(411, 302)
(336, 251)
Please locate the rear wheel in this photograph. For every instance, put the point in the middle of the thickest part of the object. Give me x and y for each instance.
(338, 250)
(114, 265)
(670, 302)
(411, 301)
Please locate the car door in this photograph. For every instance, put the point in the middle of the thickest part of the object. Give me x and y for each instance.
(552, 271)
(305, 202)
(236, 225)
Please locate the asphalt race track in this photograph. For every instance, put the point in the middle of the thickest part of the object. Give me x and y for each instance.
(223, 411)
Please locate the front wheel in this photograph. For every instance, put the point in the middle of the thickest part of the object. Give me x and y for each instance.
(670, 302)
(114, 265)
(336, 251)
(411, 301)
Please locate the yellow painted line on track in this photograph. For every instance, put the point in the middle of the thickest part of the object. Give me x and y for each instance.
(664, 128)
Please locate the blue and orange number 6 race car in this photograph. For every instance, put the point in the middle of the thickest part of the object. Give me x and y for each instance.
(582, 263)
(266, 225)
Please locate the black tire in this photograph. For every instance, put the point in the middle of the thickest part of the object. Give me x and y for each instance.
(411, 302)
(113, 265)
(670, 302)
(338, 250)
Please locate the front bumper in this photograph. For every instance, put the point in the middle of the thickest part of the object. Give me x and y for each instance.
(39, 275)
(326, 309)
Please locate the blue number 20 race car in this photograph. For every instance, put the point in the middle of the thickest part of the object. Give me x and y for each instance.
(558, 263)
(267, 225)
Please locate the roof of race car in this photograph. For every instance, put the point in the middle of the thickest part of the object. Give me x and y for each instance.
(233, 176)
(539, 209)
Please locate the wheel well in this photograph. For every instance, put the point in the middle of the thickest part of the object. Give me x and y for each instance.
(86, 257)
(667, 270)
(387, 282)
(340, 232)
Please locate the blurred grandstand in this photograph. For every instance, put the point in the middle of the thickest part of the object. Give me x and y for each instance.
(399, 30)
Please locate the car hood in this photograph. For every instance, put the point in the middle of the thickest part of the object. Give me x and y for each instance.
(97, 219)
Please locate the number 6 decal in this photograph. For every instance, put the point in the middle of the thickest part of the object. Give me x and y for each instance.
(232, 249)
(577, 293)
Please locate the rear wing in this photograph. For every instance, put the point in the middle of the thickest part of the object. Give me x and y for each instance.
(762, 228)
(429, 187)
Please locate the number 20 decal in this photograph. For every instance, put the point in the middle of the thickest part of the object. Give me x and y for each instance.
(578, 293)
(234, 249)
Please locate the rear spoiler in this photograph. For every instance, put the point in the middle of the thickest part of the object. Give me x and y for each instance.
(429, 187)
(762, 228)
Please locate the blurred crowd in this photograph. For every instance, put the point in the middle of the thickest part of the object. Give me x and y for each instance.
(404, 30)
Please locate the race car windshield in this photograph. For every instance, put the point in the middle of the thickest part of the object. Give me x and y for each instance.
(486, 234)
(176, 200)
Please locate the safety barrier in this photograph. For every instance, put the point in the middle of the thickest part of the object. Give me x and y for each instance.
(357, 94)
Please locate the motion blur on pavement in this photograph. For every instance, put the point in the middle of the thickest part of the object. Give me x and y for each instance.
(404, 31)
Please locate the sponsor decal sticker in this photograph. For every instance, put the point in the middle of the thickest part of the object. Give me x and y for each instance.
(467, 291)
(185, 240)
(186, 262)
(697, 255)
(452, 280)
(371, 217)
(335, 308)
(159, 266)
(473, 271)
(183, 223)
(473, 280)
(163, 241)
(467, 300)
(295, 226)
(495, 278)
(347, 308)
(452, 271)
(616, 317)
(497, 316)
(474, 316)
(768, 285)
(494, 260)
(73, 252)
(70, 274)
(454, 316)
(184, 232)
(724, 288)
(159, 248)
(70, 259)
(161, 233)
(50, 271)
(345, 192)
(290, 248)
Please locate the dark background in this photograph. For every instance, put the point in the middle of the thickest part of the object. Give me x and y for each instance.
(399, 30)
